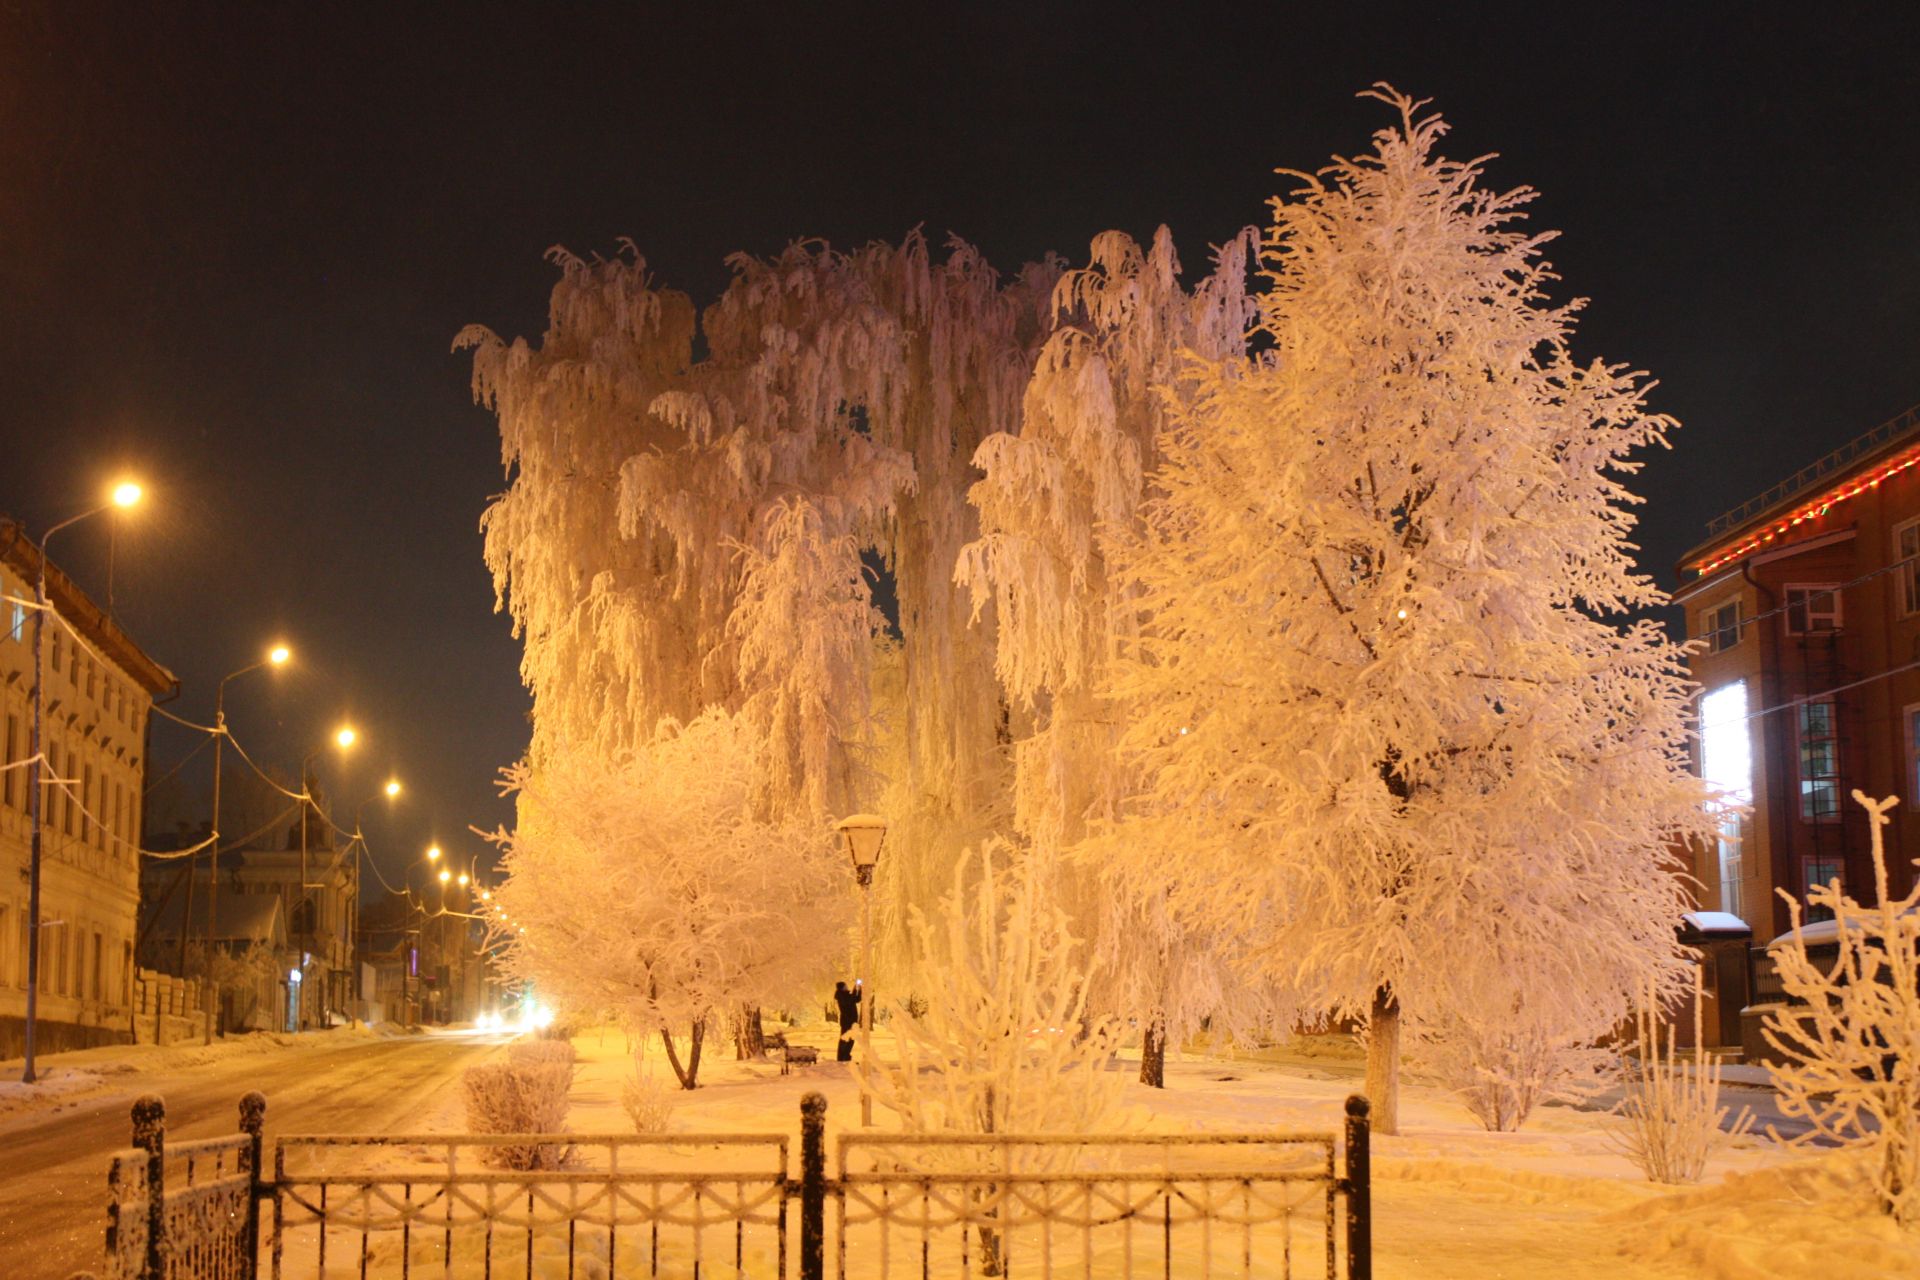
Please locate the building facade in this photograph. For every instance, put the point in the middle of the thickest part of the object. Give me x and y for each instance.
(1806, 604)
(100, 690)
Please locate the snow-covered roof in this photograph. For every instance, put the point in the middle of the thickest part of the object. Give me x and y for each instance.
(1821, 931)
(1717, 922)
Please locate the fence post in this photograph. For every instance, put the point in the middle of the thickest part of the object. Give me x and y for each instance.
(150, 1135)
(813, 1186)
(253, 1118)
(1359, 1191)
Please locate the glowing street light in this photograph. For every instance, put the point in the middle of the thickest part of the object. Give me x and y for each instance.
(124, 495)
(277, 656)
(463, 879)
(346, 737)
(445, 875)
(392, 788)
(433, 853)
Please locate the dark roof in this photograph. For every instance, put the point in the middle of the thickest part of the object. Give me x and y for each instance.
(89, 619)
(237, 917)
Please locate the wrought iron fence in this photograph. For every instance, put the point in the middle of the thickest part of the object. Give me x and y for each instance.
(186, 1210)
(1241, 1204)
(618, 1206)
(1169, 1205)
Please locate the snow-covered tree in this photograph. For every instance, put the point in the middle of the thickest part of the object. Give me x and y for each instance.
(1388, 679)
(1006, 1043)
(648, 887)
(1850, 1032)
(1055, 499)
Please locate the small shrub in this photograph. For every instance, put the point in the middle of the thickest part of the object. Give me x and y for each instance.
(1502, 1071)
(1674, 1117)
(649, 1101)
(525, 1094)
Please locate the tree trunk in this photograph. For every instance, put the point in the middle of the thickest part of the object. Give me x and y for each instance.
(688, 1076)
(749, 1037)
(1153, 1053)
(1383, 1062)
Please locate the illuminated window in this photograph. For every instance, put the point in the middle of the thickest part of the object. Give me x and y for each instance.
(1813, 610)
(1819, 761)
(1726, 765)
(1721, 626)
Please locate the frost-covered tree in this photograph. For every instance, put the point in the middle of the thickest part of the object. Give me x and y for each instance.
(666, 519)
(647, 886)
(1055, 499)
(1850, 1032)
(1388, 681)
(1006, 1043)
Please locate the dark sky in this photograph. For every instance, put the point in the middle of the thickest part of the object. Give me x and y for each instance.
(236, 242)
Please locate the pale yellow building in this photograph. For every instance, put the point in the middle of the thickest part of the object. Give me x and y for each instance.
(100, 691)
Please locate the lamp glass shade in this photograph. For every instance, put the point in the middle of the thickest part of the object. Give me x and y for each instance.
(862, 835)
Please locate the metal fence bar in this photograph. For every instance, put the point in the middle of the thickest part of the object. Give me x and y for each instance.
(1358, 1186)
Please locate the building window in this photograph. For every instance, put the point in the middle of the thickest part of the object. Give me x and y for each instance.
(6, 950)
(99, 981)
(11, 787)
(89, 806)
(1721, 626)
(1726, 765)
(1819, 761)
(17, 621)
(1906, 551)
(1813, 610)
(59, 648)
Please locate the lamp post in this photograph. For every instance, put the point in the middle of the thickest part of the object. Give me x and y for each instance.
(276, 657)
(344, 738)
(125, 494)
(862, 835)
(392, 792)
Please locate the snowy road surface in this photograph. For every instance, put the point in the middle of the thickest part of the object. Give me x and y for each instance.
(53, 1164)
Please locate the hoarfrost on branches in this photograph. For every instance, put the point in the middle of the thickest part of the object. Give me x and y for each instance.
(1006, 1043)
(1850, 1032)
(648, 887)
(1055, 500)
(1384, 679)
(1672, 1109)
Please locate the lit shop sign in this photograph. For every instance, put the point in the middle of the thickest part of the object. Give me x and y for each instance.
(1818, 507)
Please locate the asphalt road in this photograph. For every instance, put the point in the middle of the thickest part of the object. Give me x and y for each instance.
(53, 1166)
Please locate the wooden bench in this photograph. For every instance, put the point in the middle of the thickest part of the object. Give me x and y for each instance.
(792, 1055)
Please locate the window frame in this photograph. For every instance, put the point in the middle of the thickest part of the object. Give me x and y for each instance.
(1907, 579)
(1713, 625)
(1812, 785)
(1809, 590)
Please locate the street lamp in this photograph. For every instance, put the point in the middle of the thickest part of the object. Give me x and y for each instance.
(125, 494)
(343, 738)
(861, 835)
(277, 656)
(392, 791)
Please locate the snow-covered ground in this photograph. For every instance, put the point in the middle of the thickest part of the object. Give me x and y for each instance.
(1450, 1200)
(63, 1078)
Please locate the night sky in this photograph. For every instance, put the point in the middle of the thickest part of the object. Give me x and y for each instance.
(236, 243)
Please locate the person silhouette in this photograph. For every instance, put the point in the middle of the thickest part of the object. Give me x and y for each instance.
(848, 1003)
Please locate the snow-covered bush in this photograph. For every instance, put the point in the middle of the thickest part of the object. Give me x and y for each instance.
(525, 1094)
(647, 1099)
(1850, 1033)
(1387, 678)
(1672, 1109)
(1006, 1044)
(648, 885)
(1501, 1069)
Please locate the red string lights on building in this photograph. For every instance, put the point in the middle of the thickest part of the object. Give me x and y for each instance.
(1813, 510)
